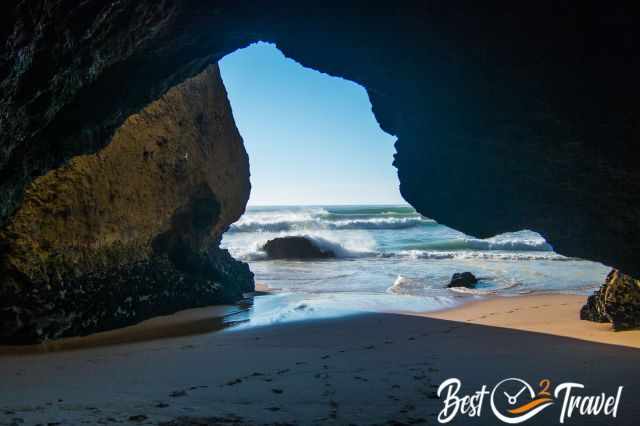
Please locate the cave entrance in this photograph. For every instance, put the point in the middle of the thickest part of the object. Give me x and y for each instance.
(321, 169)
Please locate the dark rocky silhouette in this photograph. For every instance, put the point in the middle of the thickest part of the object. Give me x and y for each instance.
(463, 279)
(617, 302)
(131, 232)
(295, 247)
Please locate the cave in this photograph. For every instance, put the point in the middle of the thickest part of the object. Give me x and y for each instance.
(415, 67)
(506, 117)
(512, 140)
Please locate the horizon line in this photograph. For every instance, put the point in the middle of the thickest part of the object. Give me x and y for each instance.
(328, 204)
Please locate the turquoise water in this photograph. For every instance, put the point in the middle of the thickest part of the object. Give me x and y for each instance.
(391, 259)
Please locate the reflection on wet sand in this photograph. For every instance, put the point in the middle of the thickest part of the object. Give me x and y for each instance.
(183, 323)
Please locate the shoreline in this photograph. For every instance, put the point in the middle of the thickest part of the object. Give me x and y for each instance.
(552, 314)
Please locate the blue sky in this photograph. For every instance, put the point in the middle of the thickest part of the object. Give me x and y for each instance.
(311, 138)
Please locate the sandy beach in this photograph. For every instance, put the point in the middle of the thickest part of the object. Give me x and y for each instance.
(553, 314)
(363, 369)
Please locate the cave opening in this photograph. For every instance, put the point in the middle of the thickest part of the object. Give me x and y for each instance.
(125, 177)
(321, 170)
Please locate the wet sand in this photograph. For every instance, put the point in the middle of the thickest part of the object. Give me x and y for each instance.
(361, 369)
(184, 323)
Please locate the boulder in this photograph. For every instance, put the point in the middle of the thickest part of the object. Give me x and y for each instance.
(463, 279)
(617, 302)
(131, 232)
(294, 247)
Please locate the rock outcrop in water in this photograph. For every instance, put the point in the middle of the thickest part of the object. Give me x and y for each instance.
(295, 248)
(463, 279)
(617, 302)
(132, 231)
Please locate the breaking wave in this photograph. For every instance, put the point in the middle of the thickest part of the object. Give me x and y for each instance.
(382, 232)
(319, 218)
(348, 248)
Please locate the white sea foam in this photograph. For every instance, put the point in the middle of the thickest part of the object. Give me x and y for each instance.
(321, 219)
(481, 255)
(487, 287)
(514, 241)
(350, 248)
(404, 285)
(344, 246)
(395, 253)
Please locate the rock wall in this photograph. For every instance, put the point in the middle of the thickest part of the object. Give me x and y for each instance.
(131, 231)
(617, 302)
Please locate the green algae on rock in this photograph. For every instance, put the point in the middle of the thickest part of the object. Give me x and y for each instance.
(132, 231)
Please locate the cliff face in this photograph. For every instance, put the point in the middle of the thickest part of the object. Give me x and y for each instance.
(133, 230)
(51, 51)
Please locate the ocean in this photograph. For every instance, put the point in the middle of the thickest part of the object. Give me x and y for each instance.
(392, 259)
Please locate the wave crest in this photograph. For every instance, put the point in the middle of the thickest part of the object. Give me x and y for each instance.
(348, 249)
(320, 219)
(481, 255)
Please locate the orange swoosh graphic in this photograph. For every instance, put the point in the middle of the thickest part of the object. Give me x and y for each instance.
(529, 406)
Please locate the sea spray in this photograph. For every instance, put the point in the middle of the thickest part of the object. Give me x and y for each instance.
(389, 253)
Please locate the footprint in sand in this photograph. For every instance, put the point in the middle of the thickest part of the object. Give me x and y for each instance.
(277, 391)
(334, 409)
